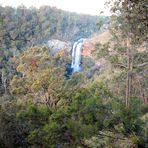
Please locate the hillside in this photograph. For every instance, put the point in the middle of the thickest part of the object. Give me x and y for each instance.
(96, 38)
(36, 26)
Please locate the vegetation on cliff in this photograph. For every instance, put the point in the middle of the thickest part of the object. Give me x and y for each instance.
(40, 107)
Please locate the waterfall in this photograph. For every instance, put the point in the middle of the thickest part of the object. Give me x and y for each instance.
(76, 55)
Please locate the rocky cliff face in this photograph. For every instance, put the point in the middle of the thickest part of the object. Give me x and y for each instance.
(57, 45)
(90, 43)
(88, 46)
(88, 57)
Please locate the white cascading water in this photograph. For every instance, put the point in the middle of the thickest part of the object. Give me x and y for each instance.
(76, 55)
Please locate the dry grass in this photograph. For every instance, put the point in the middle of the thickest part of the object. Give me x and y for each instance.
(102, 38)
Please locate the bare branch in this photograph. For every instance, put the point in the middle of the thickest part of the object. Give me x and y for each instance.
(141, 65)
(120, 65)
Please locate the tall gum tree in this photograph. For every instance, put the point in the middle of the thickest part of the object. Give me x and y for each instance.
(131, 22)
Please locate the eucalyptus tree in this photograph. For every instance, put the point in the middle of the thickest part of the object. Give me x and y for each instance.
(132, 23)
(128, 47)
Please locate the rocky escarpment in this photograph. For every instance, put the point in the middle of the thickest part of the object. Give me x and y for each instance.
(92, 64)
(57, 45)
(88, 61)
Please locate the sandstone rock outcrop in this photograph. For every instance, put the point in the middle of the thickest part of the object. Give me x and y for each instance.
(57, 45)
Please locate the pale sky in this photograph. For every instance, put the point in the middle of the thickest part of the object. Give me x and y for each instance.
(92, 7)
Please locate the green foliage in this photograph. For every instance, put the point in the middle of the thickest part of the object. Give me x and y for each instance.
(37, 26)
(43, 75)
(23, 27)
(127, 49)
(46, 110)
(132, 19)
(103, 50)
(91, 112)
(11, 134)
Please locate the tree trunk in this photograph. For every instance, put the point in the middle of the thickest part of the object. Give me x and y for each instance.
(129, 71)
